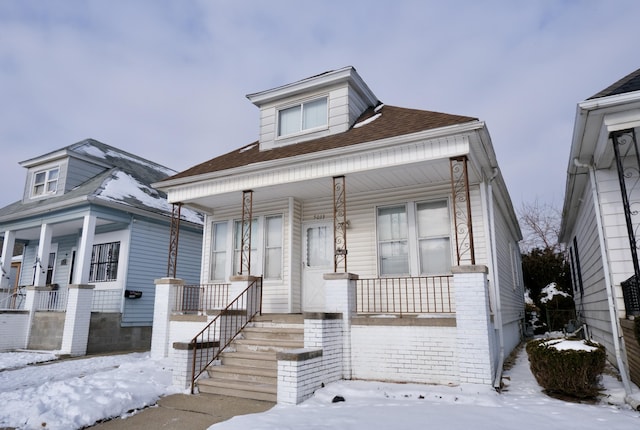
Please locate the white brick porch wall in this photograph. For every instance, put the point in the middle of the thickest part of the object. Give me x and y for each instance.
(13, 328)
(404, 353)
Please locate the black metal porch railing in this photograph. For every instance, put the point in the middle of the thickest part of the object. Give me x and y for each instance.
(631, 296)
(200, 298)
(211, 341)
(407, 295)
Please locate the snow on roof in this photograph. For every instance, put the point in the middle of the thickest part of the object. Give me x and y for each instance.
(367, 121)
(122, 188)
(106, 153)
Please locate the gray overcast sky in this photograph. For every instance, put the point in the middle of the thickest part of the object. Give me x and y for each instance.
(167, 79)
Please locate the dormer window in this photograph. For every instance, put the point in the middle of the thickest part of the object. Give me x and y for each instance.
(45, 182)
(303, 117)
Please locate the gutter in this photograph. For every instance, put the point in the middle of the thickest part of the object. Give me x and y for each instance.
(613, 315)
(496, 281)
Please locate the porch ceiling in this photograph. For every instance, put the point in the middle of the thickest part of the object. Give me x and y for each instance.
(65, 228)
(432, 172)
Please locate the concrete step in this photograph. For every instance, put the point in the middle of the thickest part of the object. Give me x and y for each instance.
(248, 367)
(279, 318)
(254, 391)
(244, 374)
(258, 345)
(261, 360)
(274, 333)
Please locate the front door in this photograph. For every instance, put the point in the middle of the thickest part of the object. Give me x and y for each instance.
(317, 260)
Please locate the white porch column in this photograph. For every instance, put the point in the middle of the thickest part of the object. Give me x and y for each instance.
(474, 325)
(340, 297)
(83, 256)
(165, 298)
(42, 263)
(7, 254)
(77, 319)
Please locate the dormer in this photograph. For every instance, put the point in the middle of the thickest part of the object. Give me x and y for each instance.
(315, 107)
(59, 171)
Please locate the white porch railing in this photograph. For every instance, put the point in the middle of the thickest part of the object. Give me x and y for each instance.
(51, 300)
(108, 301)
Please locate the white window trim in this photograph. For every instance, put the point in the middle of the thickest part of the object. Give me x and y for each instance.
(46, 171)
(302, 131)
(257, 262)
(413, 241)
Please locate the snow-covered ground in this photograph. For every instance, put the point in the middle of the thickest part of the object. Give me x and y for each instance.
(373, 405)
(72, 394)
(75, 393)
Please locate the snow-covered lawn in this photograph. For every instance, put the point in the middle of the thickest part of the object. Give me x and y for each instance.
(373, 405)
(72, 394)
(75, 393)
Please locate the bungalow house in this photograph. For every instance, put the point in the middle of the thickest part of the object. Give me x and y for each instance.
(600, 220)
(93, 235)
(389, 232)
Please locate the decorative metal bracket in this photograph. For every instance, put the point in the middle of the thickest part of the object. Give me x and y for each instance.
(245, 246)
(465, 252)
(626, 141)
(174, 236)
(339, 224)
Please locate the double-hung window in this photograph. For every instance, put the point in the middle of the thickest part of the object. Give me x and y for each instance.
(45, 182)
(305, 116)
(104, 262)
(433, 237)
(266, 248)
(393, 243)
(414, 239)
(219, 251)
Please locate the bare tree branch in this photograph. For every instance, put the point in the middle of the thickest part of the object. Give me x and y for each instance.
(540, 224)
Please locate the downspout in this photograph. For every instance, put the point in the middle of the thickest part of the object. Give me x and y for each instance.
(613, 315)
(496, 281)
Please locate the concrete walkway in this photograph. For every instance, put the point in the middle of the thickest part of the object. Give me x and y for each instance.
(185, 412)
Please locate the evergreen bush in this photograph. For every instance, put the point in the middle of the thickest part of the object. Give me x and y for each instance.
(571, 372)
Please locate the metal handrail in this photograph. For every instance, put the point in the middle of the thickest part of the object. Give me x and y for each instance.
(200, 298)
(14, 299)
(211, 341)
(405, 295)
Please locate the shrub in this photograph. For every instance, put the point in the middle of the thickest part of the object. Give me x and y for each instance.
(574, 372)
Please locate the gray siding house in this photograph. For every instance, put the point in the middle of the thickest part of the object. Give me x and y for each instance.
(90, 218)
(601, 220)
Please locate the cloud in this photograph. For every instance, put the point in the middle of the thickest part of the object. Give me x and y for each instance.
(166, 80)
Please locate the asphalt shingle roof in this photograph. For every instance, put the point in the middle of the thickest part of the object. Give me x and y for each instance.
(393, 121)
(629, 83)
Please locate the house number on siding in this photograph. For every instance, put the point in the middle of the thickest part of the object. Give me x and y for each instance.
(318, 216)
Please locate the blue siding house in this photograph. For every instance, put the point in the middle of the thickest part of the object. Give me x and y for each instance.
(90, 217)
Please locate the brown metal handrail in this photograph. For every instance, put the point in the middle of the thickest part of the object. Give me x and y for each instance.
(405, 295)
(211, 341)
